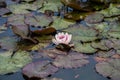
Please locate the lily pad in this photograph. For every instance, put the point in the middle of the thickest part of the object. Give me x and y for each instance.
(76, 15)
(46, 31)
(8, 43)
(106, 54)
(109, 69)
(44, 41)
(53, 53)
(40, 69)
(17, 19)
(53, 5)
(38, 20)
(10, 64)
(21, 8)
(100, 45)
(72, 60)
(82, 33)
(113, 10)
(84, 48)
(94, 18)
(60, 23)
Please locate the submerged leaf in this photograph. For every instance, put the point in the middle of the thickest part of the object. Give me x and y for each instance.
(72, 60)
(40, 69)
(10, 64)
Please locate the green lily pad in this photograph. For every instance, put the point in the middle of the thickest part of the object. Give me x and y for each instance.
(82, 33)
(10, 64)
(60, 23)
(100, 45)
(110, 69)
(84, 48)
(53, 5)
(113, 10)
(38, 20)
(21, 8)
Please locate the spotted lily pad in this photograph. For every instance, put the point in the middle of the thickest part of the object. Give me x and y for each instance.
(40, 69)
(10, 64)
(53, 5)
(60, 23)
(109, 69)
(72, 60)
(38, 20)
(82, 33)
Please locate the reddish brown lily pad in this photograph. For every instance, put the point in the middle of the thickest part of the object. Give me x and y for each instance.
(39, 69)
(72, 60)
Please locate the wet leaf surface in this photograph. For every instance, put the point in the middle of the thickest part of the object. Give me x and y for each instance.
(111, 11)
(10, 64)
(72, 60)
(60, 23)
(52, 5)
(94, 18)
(8, 43)
(84, 48)
(53, 53)
(109, 69)
(82, 33)
(39, 69)
(38, 20)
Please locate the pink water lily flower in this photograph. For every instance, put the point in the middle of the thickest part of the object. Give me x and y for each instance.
(64, 38)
